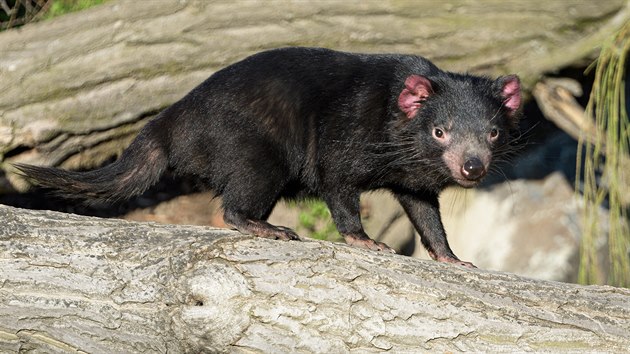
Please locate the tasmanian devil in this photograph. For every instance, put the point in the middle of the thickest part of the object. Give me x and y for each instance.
(312, 122)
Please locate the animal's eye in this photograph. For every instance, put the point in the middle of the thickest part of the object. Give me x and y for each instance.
(494, 133)
(438, 133)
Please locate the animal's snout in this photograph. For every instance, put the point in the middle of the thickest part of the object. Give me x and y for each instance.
(473, 169)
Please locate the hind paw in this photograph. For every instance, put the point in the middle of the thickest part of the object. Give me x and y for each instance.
(455, 261)
(363, 241)
(264, 229)
(283, 233)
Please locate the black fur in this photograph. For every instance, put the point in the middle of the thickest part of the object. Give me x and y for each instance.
(297, 122)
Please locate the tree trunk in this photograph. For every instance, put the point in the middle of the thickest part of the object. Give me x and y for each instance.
(76, 89)
(72, 283)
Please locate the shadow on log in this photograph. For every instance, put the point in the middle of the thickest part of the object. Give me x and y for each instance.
(102, 285)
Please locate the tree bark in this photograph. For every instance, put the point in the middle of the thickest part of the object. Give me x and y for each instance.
(76, 89)
(72, 283)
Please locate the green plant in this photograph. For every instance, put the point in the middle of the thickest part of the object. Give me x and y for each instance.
(61, 7)
(316, 220)
(606, 166)
(15, 13)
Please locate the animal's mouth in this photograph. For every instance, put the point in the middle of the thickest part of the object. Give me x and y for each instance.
(466, 183)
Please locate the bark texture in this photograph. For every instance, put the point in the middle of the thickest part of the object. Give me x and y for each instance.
(76, 89)
(72, 283)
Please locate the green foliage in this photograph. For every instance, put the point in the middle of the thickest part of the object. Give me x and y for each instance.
(61, 7)
(607, 167)
(316, 220)
(15, 13)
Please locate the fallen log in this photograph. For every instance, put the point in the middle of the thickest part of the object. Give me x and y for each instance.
(73, 283)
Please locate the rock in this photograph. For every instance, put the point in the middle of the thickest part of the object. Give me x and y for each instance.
(528, 227)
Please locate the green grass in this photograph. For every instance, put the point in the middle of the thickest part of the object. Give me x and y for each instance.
(315, 220)
(61, 7)
(40, 10)
(609, 158)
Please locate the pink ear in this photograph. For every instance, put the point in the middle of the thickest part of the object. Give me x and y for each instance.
(511, 93)
(417, 89)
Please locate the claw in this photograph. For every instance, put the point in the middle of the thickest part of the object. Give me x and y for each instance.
(456, 261)
(264, 229)
(286, 234)
(361, 241)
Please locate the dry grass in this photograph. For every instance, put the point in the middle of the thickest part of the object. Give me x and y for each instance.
(606, 169)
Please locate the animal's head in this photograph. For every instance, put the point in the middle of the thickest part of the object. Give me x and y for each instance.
(459, 120)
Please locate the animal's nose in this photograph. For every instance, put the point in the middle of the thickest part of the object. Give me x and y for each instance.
(473, 169)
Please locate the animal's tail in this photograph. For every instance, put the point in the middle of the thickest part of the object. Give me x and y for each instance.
(139, 167)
